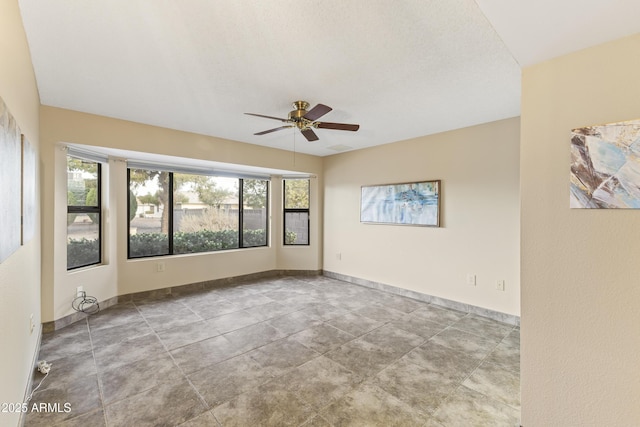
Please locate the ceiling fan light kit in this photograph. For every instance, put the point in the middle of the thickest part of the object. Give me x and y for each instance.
(306, 121)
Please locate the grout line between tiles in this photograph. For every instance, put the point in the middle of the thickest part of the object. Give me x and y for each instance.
(93, 355)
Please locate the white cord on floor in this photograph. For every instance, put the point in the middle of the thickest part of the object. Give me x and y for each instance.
(44, 368)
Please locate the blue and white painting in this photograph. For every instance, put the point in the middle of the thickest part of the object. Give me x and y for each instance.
(605, 166)
(415, 203)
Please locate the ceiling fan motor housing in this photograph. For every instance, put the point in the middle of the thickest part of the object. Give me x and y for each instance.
(297, 115)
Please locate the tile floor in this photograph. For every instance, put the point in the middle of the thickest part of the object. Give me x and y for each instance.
(293, 351)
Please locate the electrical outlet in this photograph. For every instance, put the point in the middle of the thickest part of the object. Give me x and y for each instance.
(79, 291)
(500, 285)
(339, 256)
(160, 267)
(32, 324)
(471, 279)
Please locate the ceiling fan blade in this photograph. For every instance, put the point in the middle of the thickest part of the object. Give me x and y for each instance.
(310, 135)
(316, 112)
(272, 130)
(268, 117)
(337, 126)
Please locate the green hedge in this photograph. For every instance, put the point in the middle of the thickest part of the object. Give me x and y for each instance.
(290, 237)
(204, 241)
(146, 244)
(84, 252)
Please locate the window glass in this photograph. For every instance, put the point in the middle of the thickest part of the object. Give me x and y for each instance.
(296, 211)
(148, 216)
(296, 194)
(205, 213)
(83, 213)
(254, 215)
(296, 228)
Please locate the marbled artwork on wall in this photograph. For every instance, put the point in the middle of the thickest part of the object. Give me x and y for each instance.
(10, 173)
(605, 166)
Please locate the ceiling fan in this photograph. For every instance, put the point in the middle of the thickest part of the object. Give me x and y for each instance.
(306, 121)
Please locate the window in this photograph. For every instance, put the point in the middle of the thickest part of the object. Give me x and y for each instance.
(84, 228)
(148, 218)
(296, 211)
(255, 193)
(205, 213)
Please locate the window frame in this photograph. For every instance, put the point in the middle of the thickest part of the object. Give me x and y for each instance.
(286, 210)
(76, 209)
(240, 180)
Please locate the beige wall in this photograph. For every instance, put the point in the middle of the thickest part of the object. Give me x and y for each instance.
(479, 170)
(119, 276)
(20, 273)
(580, 268)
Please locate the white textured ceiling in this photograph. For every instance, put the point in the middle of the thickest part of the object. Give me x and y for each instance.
(535, 31)
(400, 69)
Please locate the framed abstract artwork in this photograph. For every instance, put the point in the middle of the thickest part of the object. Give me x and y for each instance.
(10, 182)
(605, 166)
(410, 203)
